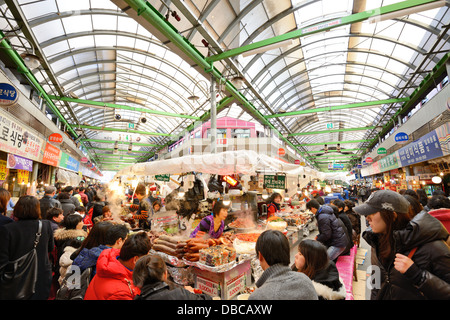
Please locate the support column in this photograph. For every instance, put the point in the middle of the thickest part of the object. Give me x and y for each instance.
(213, 116)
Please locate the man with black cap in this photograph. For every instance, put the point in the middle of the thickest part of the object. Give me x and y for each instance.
(409, 256)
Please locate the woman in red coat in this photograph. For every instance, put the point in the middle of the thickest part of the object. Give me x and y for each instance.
(114, 274)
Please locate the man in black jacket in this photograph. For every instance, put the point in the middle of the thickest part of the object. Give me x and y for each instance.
(48, 201)
(331, 232)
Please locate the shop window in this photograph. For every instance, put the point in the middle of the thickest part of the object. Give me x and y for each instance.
(240, 133)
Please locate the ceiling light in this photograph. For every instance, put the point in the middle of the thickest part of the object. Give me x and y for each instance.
(269, 47)
(31, 60)
(408, 11)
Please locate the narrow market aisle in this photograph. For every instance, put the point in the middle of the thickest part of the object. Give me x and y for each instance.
(360, 290)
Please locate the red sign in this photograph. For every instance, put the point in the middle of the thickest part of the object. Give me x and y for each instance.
(55, 138)
(84, 160)
(51, 155)
(281, 152)
(297, 161)
(369, 160)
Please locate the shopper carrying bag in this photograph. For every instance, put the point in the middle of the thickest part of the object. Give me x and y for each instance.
(18, 277)
(28, 236)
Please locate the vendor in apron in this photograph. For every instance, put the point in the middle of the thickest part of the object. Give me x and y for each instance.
(274, 204)
(143, 207)
(214, 223)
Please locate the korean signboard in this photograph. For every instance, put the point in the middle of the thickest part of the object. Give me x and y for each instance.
(16, 162)
(8, 94)
(67, 162)
(51, 155)
(17, 139)
(423, 149)
(275, 182)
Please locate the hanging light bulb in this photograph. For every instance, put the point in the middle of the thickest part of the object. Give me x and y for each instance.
(264, 194)
(286, 195)
(226, 199)
(181, 190)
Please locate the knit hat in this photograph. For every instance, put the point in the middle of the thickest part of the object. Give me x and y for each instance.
(383, 200)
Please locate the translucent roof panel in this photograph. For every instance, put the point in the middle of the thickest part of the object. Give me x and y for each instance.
(95, 51)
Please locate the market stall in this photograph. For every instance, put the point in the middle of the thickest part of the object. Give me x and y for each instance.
(226, 266)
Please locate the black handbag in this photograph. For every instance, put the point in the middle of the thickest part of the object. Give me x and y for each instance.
(18, 278)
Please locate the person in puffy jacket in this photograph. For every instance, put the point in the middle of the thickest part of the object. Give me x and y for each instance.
(150, 276)
(440, 209)
(312, 259)
(410, 259)
(114, 277)
(331, 232)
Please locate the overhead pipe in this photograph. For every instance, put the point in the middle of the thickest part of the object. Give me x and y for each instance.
(23, 69)
(147, 11)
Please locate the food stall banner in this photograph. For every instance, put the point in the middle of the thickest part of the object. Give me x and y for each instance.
(443, 133)
(67, 162)
(3, 170)
(275, 182)
(22, 176)
(15, 138)
(16, 162)
(389, 162)
(423, 149)
(51, 155)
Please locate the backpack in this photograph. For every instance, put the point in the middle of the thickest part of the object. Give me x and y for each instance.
(70, 290)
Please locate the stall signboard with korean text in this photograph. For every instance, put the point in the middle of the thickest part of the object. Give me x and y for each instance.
(3, 170)
(55, 138)
(423, 149)
(401, 137)
(16, 162)
(8, 94)
(23, 176)
(389, 162)
(67, 162)
(51, 155)
(15, 138)
(381, 151)
(275, 182)
(162, 177)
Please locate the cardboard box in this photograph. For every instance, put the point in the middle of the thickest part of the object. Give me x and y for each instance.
(226, 284)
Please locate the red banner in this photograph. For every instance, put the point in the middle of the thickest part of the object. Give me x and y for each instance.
(51, 155)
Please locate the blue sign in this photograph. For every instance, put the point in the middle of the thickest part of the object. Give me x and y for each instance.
(401, 137)
(423, 149)
(8, 94)
(359, 166)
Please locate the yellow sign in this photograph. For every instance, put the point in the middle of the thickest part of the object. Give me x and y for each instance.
(3, 170)
(22, 176)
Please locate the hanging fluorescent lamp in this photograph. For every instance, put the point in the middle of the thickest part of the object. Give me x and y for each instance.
(408, 11)
(269, 47)
(130, 147)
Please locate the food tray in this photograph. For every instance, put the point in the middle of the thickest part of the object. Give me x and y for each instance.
(174, 261)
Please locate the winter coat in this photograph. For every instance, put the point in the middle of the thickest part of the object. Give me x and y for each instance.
(279, 282)
(331, 232)
(63, 236)
(65, 262)
(17, 238)
(328, 284)
(429, 276)
(443, 215)
(113, 280)
(47, 202)
(67, 206)
(163, 291)
(88, 257)
(355, 220)
(97, 209)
